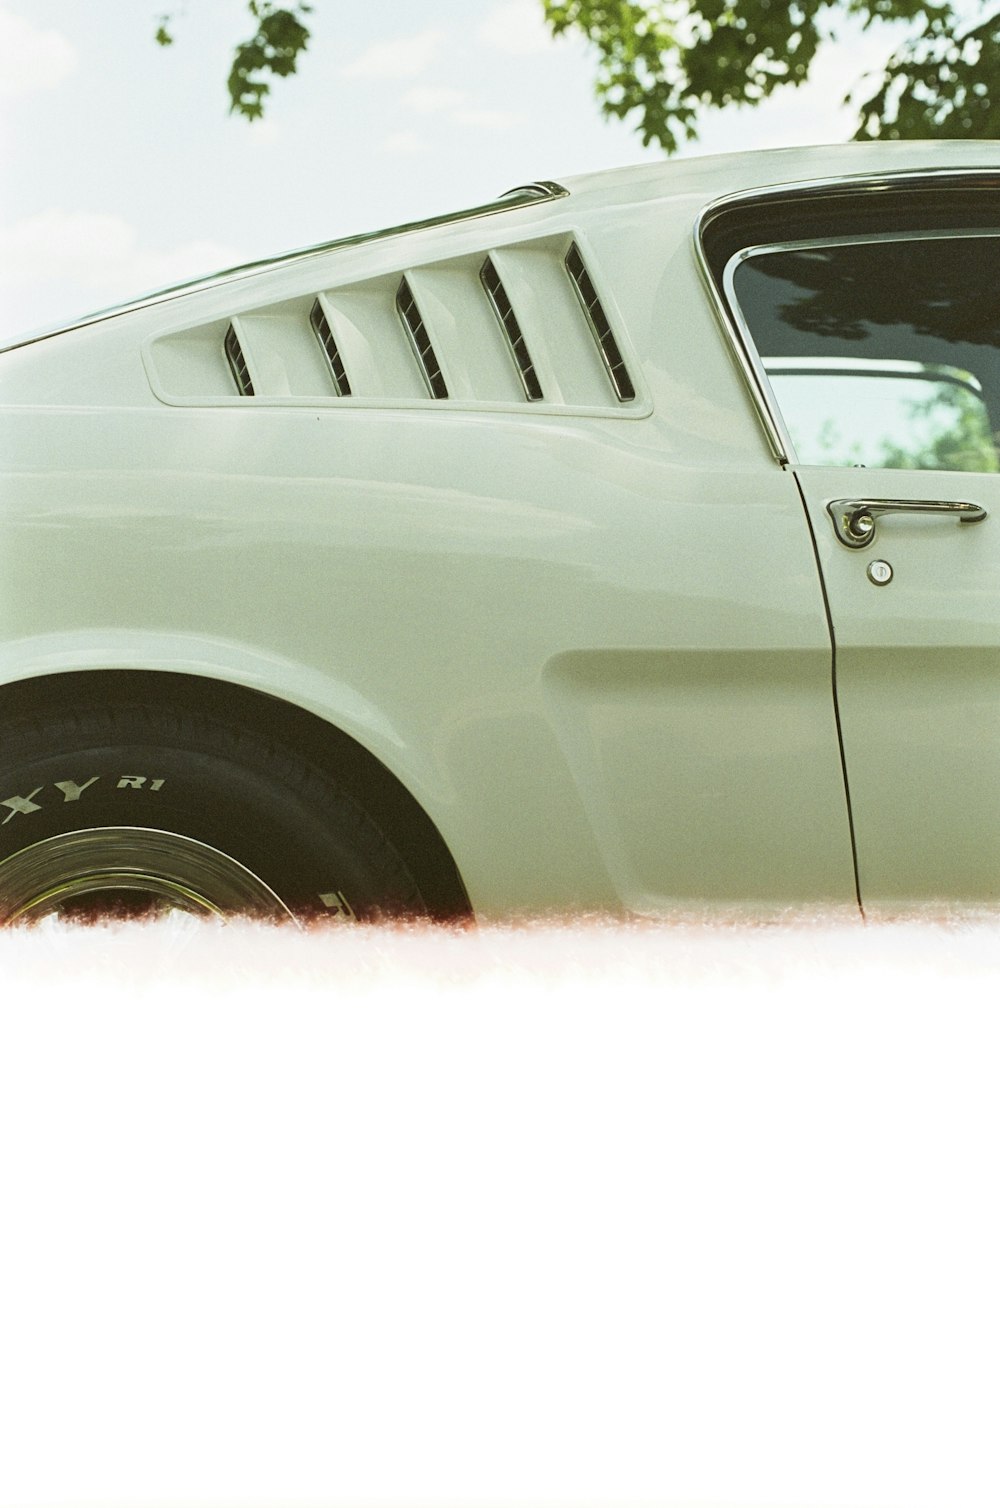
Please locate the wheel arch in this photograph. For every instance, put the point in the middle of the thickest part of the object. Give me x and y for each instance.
(336, 753)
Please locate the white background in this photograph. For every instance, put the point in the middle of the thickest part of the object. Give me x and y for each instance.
(647, 1215)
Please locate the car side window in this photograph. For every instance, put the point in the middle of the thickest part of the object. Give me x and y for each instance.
(880, 352)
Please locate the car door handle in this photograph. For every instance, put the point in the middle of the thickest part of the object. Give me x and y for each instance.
(854, 518)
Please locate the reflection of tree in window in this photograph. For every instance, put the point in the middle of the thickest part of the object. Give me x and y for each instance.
(929, 303)
(890, 414)
(963, 444)
(947, 288)
(831, 449)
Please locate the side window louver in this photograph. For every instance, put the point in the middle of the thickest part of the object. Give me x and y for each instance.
(598, 321)
(420, 340)
(503, 309)
(238, 363)
(321, 325)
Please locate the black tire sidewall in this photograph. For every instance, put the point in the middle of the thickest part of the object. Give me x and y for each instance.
(257, 802)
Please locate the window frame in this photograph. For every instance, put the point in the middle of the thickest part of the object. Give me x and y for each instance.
(768, 248)
(917, 203)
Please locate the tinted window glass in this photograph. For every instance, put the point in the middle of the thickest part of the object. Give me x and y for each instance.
(882, 353)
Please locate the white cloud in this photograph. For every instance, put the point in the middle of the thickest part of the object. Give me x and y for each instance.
(404, 141)
(31, 58)
(452, 102)
(427, 100)
(488, 120)
(516, 26)
(399, 58)
(80, 256)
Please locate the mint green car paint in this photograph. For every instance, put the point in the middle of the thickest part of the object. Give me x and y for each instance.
(918, 667)
(589, 637)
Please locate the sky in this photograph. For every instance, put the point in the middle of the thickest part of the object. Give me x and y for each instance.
(123, 170)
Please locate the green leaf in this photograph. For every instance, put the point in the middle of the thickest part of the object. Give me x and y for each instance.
(662, 66)
(281, 36)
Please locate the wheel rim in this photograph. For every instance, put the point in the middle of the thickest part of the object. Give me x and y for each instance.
(145, 870)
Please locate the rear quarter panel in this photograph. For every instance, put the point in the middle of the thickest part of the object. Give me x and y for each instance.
(592, 646)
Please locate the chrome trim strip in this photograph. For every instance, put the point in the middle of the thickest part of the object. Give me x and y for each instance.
(850, 185)
(737, 337)
(519, 198)
(542, 188)
(779, 436)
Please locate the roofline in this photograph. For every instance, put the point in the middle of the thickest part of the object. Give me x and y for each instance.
(542, 191)
(842, 183)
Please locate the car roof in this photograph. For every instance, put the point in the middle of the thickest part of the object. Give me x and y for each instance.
(713, 175)
(701, 180)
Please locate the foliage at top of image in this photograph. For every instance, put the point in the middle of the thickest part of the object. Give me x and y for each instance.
(279, 37)
(661, 66)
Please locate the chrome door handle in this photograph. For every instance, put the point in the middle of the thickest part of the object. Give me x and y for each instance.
(854, 518)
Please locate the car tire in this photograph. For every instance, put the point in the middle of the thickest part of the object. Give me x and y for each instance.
(129, 811)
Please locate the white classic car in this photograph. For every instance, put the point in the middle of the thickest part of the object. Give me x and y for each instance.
(626, 545)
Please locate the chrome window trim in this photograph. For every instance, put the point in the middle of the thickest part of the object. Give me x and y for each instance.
(769, 248)
(852, 187)
(905, 371)
(527, 193)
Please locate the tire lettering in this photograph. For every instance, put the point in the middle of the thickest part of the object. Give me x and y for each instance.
(71, 791)
(22, 804)
(337, 902)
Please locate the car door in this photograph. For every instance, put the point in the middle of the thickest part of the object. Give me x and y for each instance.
(877, 351)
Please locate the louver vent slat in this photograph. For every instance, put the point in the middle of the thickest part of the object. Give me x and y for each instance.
(598, 320)
(417, 331)
(502, 307)
(238, 363)
(324, 335)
